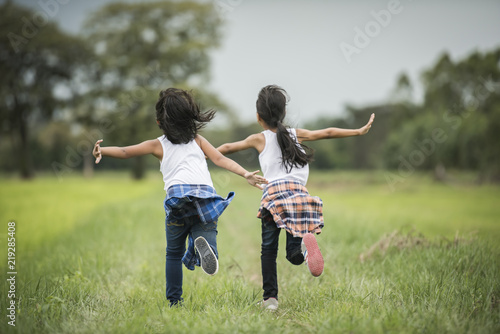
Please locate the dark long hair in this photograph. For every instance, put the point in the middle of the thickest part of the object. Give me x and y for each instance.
(179, 116)
(271, 107)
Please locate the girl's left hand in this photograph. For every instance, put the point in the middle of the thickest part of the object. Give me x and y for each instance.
(255, 180)
(364, 130)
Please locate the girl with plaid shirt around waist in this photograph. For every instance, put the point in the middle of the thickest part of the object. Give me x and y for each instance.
(286, 203)
(192, 205)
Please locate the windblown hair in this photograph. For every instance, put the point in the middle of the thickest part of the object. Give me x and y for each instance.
(179, 116)
(271, 107)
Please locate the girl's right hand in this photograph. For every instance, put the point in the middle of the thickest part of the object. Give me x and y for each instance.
(96, 152)
(255, 180)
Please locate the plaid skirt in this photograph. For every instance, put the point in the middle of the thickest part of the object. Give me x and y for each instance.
(289, 205)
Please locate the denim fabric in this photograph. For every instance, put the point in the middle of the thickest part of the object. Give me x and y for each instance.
(177, 232)
(186, 200)
(190, 259)
(192, 210)
(269, 253)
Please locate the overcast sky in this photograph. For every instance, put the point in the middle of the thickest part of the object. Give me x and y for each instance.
(327, 54)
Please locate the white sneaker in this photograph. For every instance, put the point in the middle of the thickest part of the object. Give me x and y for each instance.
(270, 304)
(209, 262)
(312, 255)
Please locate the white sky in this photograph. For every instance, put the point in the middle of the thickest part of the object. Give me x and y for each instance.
(296, 44)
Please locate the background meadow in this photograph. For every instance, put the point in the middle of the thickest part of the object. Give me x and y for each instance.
(90, 259)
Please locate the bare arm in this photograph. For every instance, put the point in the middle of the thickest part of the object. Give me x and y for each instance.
(147, 147)
(310, 135)
(217, 158)
(256, 141)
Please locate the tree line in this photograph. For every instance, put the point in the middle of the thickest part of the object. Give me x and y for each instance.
(59, 93)
(456, 126)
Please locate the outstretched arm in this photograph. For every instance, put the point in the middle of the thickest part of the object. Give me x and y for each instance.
(147, 147)
(256, 141)
(310, 135)
(217, 158)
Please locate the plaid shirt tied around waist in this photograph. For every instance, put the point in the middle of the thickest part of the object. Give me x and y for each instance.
(289, 204)
(186, 200)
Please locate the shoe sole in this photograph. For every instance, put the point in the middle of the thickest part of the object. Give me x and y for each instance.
(315, 261)
(209, 262)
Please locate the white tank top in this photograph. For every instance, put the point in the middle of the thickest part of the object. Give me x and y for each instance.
(270, 160)
(183, 164)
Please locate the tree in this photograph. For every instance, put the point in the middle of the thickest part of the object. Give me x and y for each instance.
(403, 92)
(464, 96)
(36, 59)
(143, 48)
(458, 122)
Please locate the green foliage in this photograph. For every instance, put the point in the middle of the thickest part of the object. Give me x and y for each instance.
(153, 42)
(110, 79)
(141, 49)
(36, 57)
(462, 104)
(454, 128)
(98, 265)
(354, 152)
(330, 154)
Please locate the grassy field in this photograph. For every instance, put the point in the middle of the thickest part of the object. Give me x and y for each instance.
(421, 258)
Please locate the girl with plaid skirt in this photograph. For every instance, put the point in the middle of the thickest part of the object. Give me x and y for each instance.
(192, 205)
(286, 203)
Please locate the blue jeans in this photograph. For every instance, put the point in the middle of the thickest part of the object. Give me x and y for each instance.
(177, 232)
(269, 253)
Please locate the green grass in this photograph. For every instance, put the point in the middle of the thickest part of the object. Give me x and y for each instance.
(90, 259)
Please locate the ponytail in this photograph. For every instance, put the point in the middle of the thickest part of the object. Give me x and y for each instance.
(293, 154)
